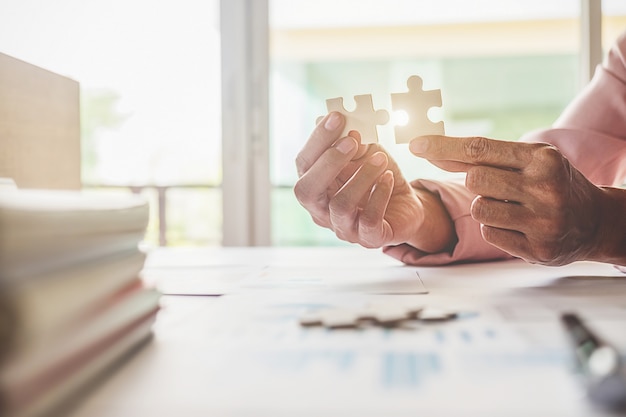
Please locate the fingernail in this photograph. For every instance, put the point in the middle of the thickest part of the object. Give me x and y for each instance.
(345, 146)
(387, 178)
(419, 145)
(333, 122)
(377, 159)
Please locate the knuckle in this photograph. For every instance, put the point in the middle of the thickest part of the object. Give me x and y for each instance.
(487, 233)
(302, 163)
(368, 223)
(345, 234)
(319, 221)
(546, 255)
(547, 153)
(302, 193)
(311, 201)
(474, 178)
(550, 173)
(368, 232)
(332, 160)
(479, 209)
(477, 148)
(339, 206)
(370, 244)
(549, 160)
(491, 235)
(549, 250)
(339, 233)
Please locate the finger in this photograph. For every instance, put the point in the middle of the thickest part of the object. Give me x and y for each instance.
(495, 183)
(510, 241)
(363, 149)
(452, 166)
(324, 135)
(311, 188)
(358, 159)
(473, 150)
(500, 214)
(344, 205)
(373, 230)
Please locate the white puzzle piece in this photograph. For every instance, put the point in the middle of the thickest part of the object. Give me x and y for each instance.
(380, 314)
(363, 119)
(416, 103)
(333, 318)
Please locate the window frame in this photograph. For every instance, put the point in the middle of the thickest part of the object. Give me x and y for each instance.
(245, 122)
(245, 58)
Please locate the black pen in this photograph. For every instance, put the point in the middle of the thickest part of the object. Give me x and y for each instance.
(600, 364)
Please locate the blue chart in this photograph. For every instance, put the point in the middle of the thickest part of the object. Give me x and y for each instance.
(511, 361)
(446, 337)
(408, 369)
(401, 369)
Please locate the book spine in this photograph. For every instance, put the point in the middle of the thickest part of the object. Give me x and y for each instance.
(45, 305)
(67, 392)
(36, 378)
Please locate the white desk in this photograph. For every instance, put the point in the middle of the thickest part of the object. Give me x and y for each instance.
(244, 354)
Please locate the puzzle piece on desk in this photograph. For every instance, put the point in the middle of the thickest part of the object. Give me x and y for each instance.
(381, 314)
(363, 119)
(390, 315)
(333, 318)
(416, 103)
(432, 314)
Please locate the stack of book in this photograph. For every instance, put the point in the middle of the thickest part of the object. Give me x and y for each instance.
(72, 304)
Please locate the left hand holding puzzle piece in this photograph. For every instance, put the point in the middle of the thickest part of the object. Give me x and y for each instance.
(359, 192)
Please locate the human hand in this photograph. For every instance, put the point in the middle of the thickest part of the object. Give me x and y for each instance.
(531, 203)
(358, 192)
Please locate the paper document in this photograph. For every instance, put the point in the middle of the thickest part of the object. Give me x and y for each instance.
(234, 279)
(371, 280)
(478, 365)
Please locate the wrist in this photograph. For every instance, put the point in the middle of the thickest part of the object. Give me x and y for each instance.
(609, 242)
(435, 232)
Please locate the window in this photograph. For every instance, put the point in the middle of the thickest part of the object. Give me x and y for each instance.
(613, 21)
(152, 90)
(504, 68)
(149, 74)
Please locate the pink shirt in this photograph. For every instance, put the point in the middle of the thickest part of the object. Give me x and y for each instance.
(591, 133)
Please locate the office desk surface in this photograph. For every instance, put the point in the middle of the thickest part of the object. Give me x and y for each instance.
(244, 353)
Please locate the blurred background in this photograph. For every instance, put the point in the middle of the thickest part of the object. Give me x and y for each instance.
(150, 74)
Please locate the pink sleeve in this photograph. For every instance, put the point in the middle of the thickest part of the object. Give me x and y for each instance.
(591, 133)
(470, 246)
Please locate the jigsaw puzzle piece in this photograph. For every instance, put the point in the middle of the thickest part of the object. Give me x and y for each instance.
(387, 314)
(416, 103)
(333, 318)
(363, 119)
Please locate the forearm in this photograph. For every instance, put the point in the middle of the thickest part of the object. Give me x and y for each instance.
(436, 233)
(591, 131)
(610, 241)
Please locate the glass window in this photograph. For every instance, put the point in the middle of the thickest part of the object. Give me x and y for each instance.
(613, 21)
(149, 74)
(503, 67)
